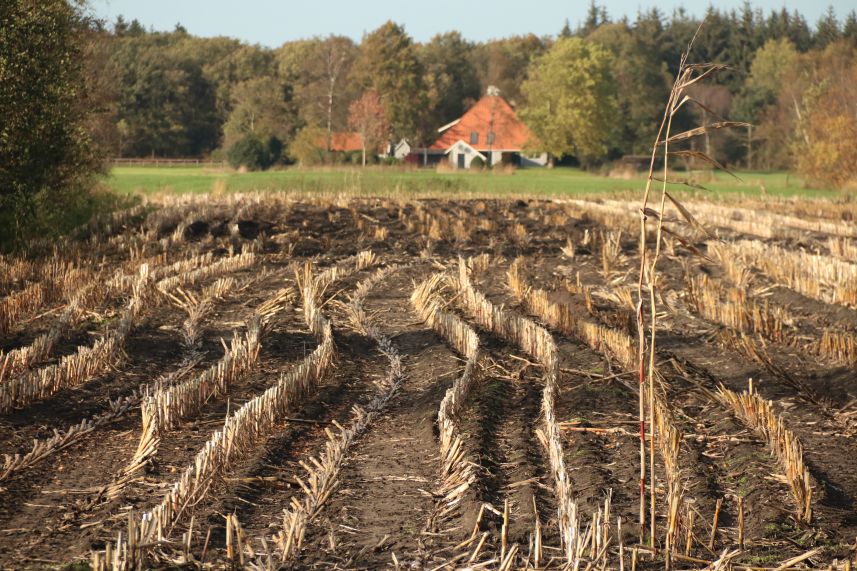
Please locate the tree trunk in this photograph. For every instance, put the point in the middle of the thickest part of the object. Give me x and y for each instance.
(750, 147)
(364, 154)
(330, 112)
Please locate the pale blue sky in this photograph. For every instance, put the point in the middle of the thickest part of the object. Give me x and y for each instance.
(271, 22)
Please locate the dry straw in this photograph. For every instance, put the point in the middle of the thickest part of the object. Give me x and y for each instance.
(229, 264)
(767, 224)
(818, 276)
(75, 369)
(537, 342)
(732, 307)
(681, 94)
(53, 280)
(759, 414)
(240, 433)
(771, 321)
(457, 469)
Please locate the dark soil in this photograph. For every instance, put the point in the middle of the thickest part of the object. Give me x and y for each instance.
(54, 513)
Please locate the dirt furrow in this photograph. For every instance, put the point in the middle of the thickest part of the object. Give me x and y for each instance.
(384, 500)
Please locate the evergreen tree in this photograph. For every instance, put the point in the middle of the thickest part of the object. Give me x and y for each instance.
(827, 30)
(799, 32)
(849, 30)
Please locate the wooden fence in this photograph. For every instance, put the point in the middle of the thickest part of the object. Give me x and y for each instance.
(163, 162)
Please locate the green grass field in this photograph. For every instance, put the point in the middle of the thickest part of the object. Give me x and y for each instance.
(420, 182)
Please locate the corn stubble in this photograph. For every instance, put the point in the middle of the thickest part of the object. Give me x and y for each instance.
(241, 429)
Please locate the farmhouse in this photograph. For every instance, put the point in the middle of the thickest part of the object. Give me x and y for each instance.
(490, 130)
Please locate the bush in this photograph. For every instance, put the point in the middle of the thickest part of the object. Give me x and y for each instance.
(307, 148)
(275, 150)
(48, 162)
(477, 163)
(251, 153)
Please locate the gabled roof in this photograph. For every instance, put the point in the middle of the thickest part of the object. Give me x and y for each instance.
(464, 144)
(491, 113)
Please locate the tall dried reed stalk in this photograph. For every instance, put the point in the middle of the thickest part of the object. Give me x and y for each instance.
(620, 346)
(687, 76)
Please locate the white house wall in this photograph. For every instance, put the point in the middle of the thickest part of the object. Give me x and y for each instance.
(534, 161)
(468, 158)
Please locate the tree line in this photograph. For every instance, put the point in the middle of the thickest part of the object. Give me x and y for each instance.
(74, 90)
(591, 94)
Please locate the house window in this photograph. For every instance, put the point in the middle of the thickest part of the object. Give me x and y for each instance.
(490, 137)
(474, 138)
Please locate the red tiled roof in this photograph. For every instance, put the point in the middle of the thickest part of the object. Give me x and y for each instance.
(345, 141)
(491, 113)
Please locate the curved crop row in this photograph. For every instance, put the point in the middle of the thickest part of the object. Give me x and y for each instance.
(225, 265)
(162, 410)
(239, 435)
(457, 472)
(62, 439)
(737, 311)
(768, 224)
(322, 471)
(87, 362)
(75, 369)
(537, 342)
(822, 277)
(759, 414)
(254, 418)
(20, 359)
(620, 346)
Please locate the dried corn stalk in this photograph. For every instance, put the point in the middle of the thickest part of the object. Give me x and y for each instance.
(457, 472)
(759, 414)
